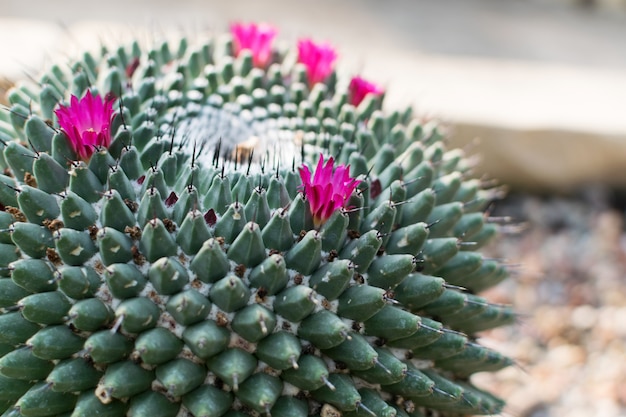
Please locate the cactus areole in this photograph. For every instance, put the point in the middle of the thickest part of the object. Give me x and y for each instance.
(167, 247)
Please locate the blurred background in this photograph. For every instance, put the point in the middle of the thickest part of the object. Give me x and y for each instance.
(536, 88)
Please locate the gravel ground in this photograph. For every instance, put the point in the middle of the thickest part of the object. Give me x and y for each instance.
(569, 271)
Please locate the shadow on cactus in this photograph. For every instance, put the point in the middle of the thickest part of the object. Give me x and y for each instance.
(229, 229)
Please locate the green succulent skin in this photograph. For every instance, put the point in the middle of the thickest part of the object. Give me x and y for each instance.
(117, 299)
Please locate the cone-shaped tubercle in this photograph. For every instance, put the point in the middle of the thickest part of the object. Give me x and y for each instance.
(129, 161)
(168, 165)
(99, 164)
(32, 239)
(154, 179)
(387, 370)
(73, 246)
(344, 396)
(436, 252)
(370, 400)
(242, 190)
(206, 339)
(180, 376)
(76, 212)
(254, 322)
(447, 186)
(55, 342)
(37, 205)
(287, 406)
(124, 280)
(388, 271)
(156, 241)
(360, 302)
(277, 233)
(106, 346)
(295, 303)
(355, 352)
(45, 308)
(8, 195)
(280, 350)
(306, 255)
(73, 375)
(137, 314)
(449, 344)
(408, 239)
(417, 290)
(151, 207)
(187, 203)
(418, 207)
(157, 346)
(310, 374)
(211, 263)
(118, 180)
(168, 275)
(114, 246)
(458, 267)
(428, 332)
(277, 194)
(123, 380)
(248, 248)
(443, 218)
(392, 323)
(188, 307)
(334, 231)
(233, 366)
(219, 196)
(332, 279)
(207, 400)
(260, 392)
(323, 329)
(51, 176)
(79, 282)
(90, 314)
(85, 183)
(230, 293)
(115, 213)
(271, 274)
(11, 293)
(363, 250)
(152, 403)
(300, 217)
(15, 330)
(41, 400)
(19, 159)
(231, 223)
(415, 384)
(257, 208)
(34, 275)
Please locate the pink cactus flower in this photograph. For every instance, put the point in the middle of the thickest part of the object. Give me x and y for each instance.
(87, 123)
(359, 88)
(328, 190)
(319, 59)
(257, 38)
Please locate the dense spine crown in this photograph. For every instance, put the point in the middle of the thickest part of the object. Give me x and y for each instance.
(182, 266)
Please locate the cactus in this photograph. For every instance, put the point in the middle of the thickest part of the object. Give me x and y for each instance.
(167, 248)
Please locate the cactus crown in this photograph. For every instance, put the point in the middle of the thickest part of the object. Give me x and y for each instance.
(167, 248)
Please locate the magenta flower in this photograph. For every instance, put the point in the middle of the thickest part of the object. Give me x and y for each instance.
(257, 38)
(359, 88)
(87, 122)
(328, 190)
(319, 59)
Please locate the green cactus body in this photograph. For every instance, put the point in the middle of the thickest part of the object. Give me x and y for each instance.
(182, 271)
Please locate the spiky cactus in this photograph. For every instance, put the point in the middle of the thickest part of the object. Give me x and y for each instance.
(167, 248)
